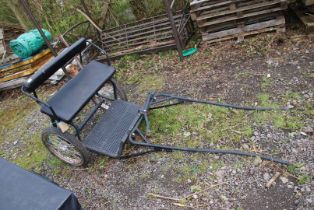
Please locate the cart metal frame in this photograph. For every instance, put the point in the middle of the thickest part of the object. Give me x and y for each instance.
(119, 124)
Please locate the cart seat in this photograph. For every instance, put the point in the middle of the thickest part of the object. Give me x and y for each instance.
(71, 98)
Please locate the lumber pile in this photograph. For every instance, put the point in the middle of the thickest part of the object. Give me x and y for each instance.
(220, 20)
(305, 12)
(13, 75)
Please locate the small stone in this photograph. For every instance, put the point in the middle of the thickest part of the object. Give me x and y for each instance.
(308, 131)
(189, 180)
(223, 198)
(269, 135)
(187, 134)
(195, 196)
(268, 75)
(245, 146)
(162, 176)
(209, 116)
(292, 134)
(196, 188)
(290, 186)
(309, 200)
(257, 161)
(15, 142)
(294, 150)
(284, 179)
(256, 133)
(266, 176)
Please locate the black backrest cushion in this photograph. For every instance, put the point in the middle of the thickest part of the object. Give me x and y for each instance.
(53, 65)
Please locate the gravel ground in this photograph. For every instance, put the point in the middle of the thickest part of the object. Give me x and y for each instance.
(233, 73)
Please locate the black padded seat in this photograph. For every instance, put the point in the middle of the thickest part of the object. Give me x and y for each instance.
(71, 98)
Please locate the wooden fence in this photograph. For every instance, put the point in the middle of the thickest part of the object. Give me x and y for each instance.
(150, 34)
(221, 20)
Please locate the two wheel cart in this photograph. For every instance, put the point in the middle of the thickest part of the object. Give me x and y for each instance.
(120, 123)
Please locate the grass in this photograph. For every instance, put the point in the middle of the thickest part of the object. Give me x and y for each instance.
(198, 125)
(19, 144)
(287, 120)
(295, 169)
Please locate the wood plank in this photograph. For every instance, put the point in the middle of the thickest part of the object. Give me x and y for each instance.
(241, 9)
(152, 24)
(306, 19)
(32, 67)
(221, 20)
(234, 24)
(141, 43)
(138, 32)
(12, 84)
(140, 26)
(244, 30)
(149, 34)
(271, 29)
(28, 61)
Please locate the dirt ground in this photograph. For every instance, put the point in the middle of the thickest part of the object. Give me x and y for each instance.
(266, 70)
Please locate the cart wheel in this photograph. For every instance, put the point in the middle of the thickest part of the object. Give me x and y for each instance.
(107, 92)
(65, 146)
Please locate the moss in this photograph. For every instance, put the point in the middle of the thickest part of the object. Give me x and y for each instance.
(12, 115)
(216, 164)
(33, 155)
(265, 83)
(151, 83)
(295, 169)
(303, 179)
(199, 125)
(29, 152)
(290, 120)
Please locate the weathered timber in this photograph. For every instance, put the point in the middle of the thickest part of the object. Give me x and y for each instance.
(221, 20)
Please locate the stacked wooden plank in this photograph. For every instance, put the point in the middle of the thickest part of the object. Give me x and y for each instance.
(305, 13)
(221, 20)
(12, 75)
(149, 34)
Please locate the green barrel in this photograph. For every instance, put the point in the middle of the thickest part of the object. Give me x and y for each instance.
(29, 43)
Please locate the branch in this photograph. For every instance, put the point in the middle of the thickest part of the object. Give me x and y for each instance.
(89, 19)
(85, 8)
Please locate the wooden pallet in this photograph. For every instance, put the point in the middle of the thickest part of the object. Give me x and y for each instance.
(305, 17)
(220, 20)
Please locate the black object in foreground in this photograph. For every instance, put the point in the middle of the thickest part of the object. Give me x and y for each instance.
(24, 190)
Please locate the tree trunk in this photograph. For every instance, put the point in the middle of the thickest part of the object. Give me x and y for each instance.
(104, 12)
(138, 9)
(20, 14)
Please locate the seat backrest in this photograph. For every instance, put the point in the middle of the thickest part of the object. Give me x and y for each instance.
(53, 65)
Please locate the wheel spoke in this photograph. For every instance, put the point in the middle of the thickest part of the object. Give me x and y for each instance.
(64, 149)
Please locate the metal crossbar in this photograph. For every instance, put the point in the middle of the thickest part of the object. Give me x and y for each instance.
(152, 102)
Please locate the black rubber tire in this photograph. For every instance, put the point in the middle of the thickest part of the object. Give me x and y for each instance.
(70, 139)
